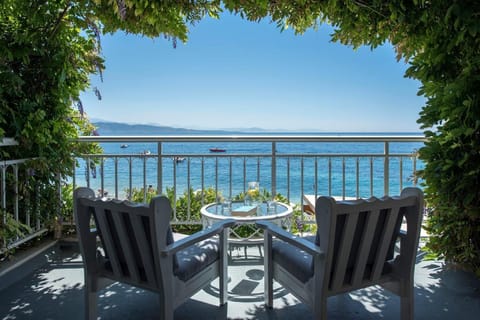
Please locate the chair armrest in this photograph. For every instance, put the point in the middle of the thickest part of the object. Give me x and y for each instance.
(283, 235)
(197, 237)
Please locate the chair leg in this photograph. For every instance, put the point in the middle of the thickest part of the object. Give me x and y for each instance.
(268, 289)
(166, 308)
(268, 270)
(406, 305)
(90, 300)
(223, 277)
(319, 306)
(223, 280)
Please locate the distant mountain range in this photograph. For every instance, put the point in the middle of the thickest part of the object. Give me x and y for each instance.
(105, 128)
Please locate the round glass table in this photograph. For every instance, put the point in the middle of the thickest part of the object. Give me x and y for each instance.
(245, 231)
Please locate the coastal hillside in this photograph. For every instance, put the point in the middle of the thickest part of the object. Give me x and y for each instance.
(106, 128)
(116, 129)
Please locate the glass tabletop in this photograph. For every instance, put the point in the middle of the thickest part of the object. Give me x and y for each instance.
(238, 210)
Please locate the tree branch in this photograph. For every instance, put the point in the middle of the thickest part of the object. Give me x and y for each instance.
(59, 20)
(360, 3)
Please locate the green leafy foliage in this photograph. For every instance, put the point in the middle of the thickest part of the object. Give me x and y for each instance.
(302, 223)
(45, 62)
(187, 206)
(187, 215)
(449, 67)
(139, 194)
(10, 229)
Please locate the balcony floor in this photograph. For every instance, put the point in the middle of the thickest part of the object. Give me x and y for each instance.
(55, 291)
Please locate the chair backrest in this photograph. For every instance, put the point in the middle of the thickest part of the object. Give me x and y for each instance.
(358, 238)
(131, 236)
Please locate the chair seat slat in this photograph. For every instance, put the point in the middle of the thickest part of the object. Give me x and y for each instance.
(143, 245)
(385, 242)
(344, 250)
(365, 246)
(106, 234)
(126, 245)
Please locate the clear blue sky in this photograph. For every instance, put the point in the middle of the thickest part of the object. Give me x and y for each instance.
(233, 73)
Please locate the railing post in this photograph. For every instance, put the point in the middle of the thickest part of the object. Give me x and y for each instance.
(343, 178)
(59, 221)
(27, 199)
(130, 186)
(414, 159)
(159, 168)
(401, 175)
(371, 177)
(230, 179)
(302, 178)
(329, 176)
(74, 180)
(203, 180)
(116, 176)
(216, 179)
(357, 177)
(88, 172)
(4, 193)
(15, 195)
(189, 209)
(102, 176)
(274, 169)
(144, 158)
(386, 169)
(37, 205)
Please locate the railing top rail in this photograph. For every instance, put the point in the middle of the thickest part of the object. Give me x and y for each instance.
(251, 155)
(256, 138)
(16, 161)
(8, 142)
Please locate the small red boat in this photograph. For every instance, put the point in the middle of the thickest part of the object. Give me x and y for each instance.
(217, 150)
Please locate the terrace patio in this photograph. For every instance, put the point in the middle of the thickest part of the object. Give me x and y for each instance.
(50, 286)
(47, 281)
(44, 70)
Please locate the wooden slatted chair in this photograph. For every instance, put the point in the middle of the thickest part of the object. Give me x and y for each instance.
(354, 248)
(138, 248)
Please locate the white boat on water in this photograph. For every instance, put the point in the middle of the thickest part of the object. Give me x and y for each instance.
(178, 159)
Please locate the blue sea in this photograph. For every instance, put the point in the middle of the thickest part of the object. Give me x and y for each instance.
(229, 172)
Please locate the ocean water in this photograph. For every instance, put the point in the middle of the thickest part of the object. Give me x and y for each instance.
(301, 168)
